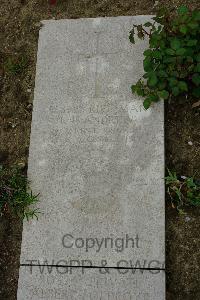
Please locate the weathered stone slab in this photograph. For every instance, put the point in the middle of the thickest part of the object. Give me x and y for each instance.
(90, 284)
(96, 157)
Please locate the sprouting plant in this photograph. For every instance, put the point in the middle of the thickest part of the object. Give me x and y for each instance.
(172, 62)
(183, 191)
(15, 199)
(16, 65)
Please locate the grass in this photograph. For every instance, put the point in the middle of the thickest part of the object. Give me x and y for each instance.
(183, 191)
(15, 199)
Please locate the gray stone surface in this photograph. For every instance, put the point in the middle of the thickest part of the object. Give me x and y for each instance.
(72, 284)
(97, 160)
(96, 157)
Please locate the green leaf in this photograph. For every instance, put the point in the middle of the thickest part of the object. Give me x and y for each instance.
(183, 29)
(196, 15)
(162, 74)
(162, 67)
(180, 51)
(175, 44)
(138, 88)
(133, 88)
(152, 80)
(157, 54)
(168, 60)
(179, 61)
(148, 24)
(192, 43)
(162, 44)
(147, 64)
(184, 19)
(131, 36)
(173, 82)
(191, 68)
(147, 103)
(153, 98)
(147, 52)
(140, 32)
(155, 40)
(183, 74)
(175, 91)
(183, 86)
(140, 92)
(196, 79)
(174, 73)
(170, 51)
(161, 85)
(163, 94)
(146, 75)
(198, 57)
(190, 51)
(197, 68)
(182, 10)
(196, 92)
(193, 25)
(189, 59)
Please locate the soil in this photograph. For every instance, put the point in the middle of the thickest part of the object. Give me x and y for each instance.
(20, 23)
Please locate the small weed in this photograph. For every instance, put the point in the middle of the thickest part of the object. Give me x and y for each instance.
(172, 62)
(14, 197)
(183, 191)
(16, 65)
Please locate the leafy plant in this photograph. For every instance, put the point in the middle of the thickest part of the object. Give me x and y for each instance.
(172, 62)
(183, 191)
(14, 197)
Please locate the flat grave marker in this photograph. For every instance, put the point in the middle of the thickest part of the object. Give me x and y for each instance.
(97, 159)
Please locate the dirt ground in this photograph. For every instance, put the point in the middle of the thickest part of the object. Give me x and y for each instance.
(20, 23)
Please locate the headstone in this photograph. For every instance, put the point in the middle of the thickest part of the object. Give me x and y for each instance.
(97, 160)
(89, 284)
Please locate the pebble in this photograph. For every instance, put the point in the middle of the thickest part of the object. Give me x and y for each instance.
(21, 165)
(13, 125)
(187, 219)
(29, 106)
(190, 143)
